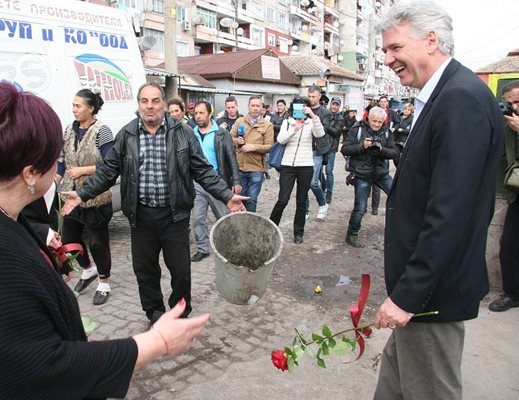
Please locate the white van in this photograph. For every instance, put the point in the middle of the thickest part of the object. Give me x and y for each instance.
(55, 48)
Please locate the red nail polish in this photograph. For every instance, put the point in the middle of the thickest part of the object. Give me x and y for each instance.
(182, 302)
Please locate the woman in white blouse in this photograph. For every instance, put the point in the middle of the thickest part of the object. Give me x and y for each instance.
(297, 165)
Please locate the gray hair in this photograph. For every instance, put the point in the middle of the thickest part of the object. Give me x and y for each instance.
(377, 112)
(423, 16)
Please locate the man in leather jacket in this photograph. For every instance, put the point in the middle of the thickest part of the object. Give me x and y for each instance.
(157, 158)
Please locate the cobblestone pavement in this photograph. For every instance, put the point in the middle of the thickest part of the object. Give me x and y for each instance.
(231, 360)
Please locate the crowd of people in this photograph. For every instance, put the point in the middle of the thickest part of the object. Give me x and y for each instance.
(176, 161)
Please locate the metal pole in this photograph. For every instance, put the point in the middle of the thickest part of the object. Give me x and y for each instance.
(170, 47)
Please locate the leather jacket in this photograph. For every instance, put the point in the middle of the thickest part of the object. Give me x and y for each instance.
(226, 158)
(185, 163)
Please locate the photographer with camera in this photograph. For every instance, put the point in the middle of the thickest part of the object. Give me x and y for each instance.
(509, 243)
(369, 145)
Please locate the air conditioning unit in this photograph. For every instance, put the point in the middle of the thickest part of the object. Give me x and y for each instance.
(187, 25)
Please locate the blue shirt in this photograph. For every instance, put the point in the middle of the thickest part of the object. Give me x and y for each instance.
(207, 142)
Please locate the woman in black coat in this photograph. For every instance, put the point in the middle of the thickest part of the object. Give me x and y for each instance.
(44, 348)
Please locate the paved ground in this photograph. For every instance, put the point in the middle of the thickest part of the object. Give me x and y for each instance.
(232, 359)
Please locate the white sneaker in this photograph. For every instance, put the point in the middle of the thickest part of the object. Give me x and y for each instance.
(323, 211)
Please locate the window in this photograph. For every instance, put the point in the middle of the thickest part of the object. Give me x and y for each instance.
(283, 45)
(256, 9)
(182, 49)
(181, 13)
(270, 14)
(157, 6)
(258, 37)
(283, 2)
(282, 21)
(271, 39)
(210, 17)
(158, 47)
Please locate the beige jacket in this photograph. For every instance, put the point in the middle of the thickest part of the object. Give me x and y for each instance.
(262, 136)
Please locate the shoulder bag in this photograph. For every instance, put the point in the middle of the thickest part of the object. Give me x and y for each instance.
(276, 155)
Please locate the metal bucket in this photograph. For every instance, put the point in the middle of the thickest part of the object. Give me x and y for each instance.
(246, 246)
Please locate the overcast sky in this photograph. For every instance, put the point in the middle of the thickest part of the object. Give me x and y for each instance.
(484, 31)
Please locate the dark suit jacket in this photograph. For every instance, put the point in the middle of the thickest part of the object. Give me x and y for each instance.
(442, 201)
(39, 218)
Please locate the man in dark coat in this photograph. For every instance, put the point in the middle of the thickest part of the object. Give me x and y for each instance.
(438, 210)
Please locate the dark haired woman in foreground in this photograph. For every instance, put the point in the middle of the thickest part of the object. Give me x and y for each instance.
(45, 353)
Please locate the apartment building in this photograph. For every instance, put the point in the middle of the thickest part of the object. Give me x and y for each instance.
(339, 31)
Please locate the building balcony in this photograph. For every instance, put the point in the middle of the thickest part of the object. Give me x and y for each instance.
(299, 12)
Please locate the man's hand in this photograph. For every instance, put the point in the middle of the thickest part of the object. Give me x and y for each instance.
(248, 148)
(512, 121)
(72, 201)
(55, 241)
(368, 142)
(236, 203)
(389, 315)
(236, 189)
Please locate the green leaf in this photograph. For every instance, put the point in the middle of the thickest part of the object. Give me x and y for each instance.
(301, 338)
(332, 343)
(88, 324)
(341, 349)
(321, 363)
(326, 331)
(352, 342)
(311, 353)
(288, 351)
(298, 353)
(290, 365)
(317, 338)
(326, 351)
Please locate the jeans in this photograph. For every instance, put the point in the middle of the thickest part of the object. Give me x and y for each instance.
(287, 178)
(155, 231)
(203, 201)
(329, 171)
(362, 189)
(251, 186)
(315, 184)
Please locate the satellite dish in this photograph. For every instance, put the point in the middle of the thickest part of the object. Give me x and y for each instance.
(226, 22)
(199, 19)
(147, 42)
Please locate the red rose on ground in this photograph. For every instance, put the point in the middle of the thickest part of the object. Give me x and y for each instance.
(280, 360)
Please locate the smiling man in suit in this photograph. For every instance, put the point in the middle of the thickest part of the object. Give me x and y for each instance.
(439, 208)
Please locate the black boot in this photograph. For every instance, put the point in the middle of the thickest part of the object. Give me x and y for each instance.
(353, 240)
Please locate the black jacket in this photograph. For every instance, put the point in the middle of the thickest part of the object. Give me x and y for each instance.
(185, 163)
(363, 162)
(325, 116)
(442, 201)
(405, 125)
(336, 127)
(229, 121)
(226, 158)
(277, 121)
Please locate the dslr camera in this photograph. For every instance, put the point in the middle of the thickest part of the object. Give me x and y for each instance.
(506, 108)
(376, 146)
